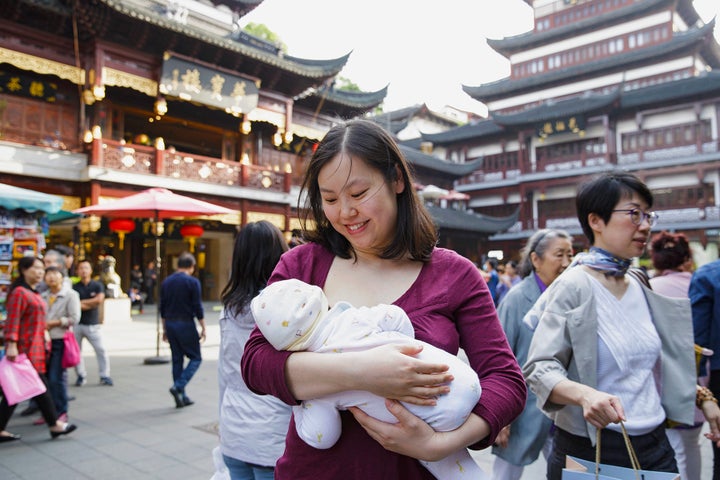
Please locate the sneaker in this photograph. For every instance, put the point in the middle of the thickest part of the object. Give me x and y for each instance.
(186, 401)
(106, 381)
(39, 421)
(80, 381)
(63, 418)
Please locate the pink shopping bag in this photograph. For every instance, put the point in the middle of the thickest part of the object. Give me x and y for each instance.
(19, 379)
(71, 353)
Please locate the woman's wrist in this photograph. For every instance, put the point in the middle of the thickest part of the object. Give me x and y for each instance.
(702, 395)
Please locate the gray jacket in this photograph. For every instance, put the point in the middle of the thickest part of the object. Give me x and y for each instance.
(66, 307)
(565, 344)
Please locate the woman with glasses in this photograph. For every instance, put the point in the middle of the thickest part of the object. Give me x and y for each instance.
(607, 349)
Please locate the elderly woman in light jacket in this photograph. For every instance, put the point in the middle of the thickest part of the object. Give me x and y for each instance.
(606, 349)
(545, 256)
(63, 312)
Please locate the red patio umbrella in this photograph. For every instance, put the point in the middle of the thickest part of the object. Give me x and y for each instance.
(158, 204)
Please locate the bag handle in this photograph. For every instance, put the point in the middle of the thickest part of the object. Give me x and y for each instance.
(634, 462)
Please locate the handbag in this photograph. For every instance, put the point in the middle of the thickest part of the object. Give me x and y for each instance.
(579, 469)
(71, 352)
(19, 379)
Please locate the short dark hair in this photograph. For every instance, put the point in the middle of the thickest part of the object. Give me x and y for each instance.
(368, 142)
(601, 194)
(53, 268)
(669, 250)
(186, 260)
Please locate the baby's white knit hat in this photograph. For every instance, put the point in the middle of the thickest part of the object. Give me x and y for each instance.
(287, 310)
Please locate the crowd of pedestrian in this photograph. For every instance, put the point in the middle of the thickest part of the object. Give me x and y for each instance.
(578, 354)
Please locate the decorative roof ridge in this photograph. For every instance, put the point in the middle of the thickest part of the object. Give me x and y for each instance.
(679, 42)
(304, 67)
(509, 45)
(673, 90)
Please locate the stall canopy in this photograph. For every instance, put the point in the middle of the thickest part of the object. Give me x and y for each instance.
(13, 198)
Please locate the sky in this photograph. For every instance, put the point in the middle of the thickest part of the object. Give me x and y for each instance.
(423, 50)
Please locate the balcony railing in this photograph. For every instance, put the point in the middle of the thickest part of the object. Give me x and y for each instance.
(174, 164)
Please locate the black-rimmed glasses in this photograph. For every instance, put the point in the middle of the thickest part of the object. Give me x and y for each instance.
(637, 216)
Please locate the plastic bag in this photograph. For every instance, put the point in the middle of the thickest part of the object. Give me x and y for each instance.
(19, 379)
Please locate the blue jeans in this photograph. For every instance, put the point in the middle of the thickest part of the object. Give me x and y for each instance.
(56, 377)
(240, 470)
(184, 342)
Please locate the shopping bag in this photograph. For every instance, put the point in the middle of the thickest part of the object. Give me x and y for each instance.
(71, 353)
(221, 470)
(579, 469)
(19, 379)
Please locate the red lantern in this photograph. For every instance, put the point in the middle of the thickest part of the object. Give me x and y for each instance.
(191, 232)
(122, 226)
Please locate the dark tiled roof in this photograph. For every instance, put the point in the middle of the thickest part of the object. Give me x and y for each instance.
(586, 105)
(509, 45)
(465, 132)
(451, 219)
(429, 162)
(342, 103)
(241, 7)
(701, 86)
(681, 43)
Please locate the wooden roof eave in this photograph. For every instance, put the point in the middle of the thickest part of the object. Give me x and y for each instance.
(319, 69)
(680, 44)
(509, 45)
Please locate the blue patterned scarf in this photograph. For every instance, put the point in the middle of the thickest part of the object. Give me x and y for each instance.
(603, 261)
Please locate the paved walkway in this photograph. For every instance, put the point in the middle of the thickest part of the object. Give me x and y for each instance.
(133, 430)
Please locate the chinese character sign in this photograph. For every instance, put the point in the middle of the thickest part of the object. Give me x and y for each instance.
(198, 83)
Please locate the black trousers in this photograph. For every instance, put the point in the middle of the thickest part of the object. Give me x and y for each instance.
(653, 451)
(44, 402)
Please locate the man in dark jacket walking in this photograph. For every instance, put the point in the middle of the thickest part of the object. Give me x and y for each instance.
(180, 305)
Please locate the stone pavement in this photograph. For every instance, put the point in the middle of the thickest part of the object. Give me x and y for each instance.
(133, 430)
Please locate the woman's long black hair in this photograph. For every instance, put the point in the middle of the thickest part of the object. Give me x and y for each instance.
(23, 264)
(257, 250)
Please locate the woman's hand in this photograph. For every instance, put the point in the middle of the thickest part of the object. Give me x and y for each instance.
(411, 436)
(502, 438)
(392, 371)
(601, 409)
(11, 351)
(712, 415)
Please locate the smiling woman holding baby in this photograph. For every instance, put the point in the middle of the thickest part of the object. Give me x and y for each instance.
(374, 243)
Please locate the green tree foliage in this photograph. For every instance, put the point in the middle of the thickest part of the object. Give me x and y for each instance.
(260, 30)
(345, 84)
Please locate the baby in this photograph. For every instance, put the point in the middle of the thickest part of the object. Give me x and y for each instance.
(294, 316)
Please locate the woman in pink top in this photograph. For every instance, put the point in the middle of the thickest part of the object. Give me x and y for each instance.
(673, 264)
(373, 242)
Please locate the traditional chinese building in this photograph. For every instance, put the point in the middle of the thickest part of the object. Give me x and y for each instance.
(103, 98)
(597, 85)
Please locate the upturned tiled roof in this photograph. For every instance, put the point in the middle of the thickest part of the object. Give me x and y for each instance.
(451, 219)
(680, 44)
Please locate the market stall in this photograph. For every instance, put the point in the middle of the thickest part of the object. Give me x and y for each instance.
(23, 227)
